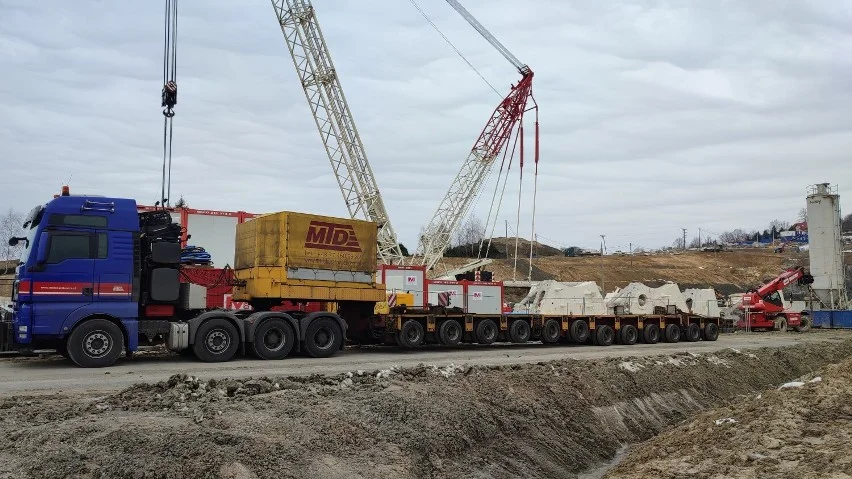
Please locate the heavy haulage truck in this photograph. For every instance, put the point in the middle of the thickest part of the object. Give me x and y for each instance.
(97, 279)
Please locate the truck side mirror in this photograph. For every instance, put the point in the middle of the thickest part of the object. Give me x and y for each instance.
(13, 241)
(41, 254)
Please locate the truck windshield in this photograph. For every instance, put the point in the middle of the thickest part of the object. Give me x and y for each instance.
(30, 227)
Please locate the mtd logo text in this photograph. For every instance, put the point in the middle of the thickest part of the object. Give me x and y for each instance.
(332, 236)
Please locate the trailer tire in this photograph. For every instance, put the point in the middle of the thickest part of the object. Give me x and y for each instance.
(651, 334)
(711, 332)
(95, 343)
(693, 332)
(579, 332)
(411, 335)
(780, 324)
(486, 331)
(804, 324)
(519, 331)
(550, 331)
(323, 337)
(673, 333)
(604, 335)
(216, 340)
(274, 338)
(628, 335)
(450, 332)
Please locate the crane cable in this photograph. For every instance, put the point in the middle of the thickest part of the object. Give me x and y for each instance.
(460, 54)
(169, 95)
(500, 201)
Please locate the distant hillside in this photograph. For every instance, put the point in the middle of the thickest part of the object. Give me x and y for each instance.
(505, 248)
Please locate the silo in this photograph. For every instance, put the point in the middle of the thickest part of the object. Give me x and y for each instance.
(825, 246)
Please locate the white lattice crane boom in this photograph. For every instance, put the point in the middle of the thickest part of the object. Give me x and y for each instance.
(472, 176)
(334, 121)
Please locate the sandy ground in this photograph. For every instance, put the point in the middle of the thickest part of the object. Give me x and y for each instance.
(59, 374)
(801, 430)
(542, 419)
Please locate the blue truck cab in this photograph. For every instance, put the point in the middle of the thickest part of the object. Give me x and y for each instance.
(97, 277)
(80, 261)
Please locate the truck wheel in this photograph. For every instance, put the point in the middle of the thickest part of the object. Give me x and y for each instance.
(604, 335)
(578, 332)
(216, 340)
(411, 335)
(780, 324)
(693, 332)
(711, 332)
(486, 331)
(273, 339)
(323, 338)
(519, 331)
(95, 343)
(628, 334)
(651, 334)
(804, 324)
(551, 331)
(673, 333)
(450, 332)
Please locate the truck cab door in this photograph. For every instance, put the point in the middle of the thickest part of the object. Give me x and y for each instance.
(62, 278)
(114, 267)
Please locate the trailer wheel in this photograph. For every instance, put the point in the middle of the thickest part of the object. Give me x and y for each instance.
(551, 331)
(450, 332)
(411, 335)
(519, 331)
(673, 333)
(216, 340)
(628, 334)
(804, 324)
(486, 331)
(693, 332)
(273, 339)
(780, 324)
(604, 335)
(711, 332)
(579, 332)
(651, 334)
(323, 337)
(95, 343)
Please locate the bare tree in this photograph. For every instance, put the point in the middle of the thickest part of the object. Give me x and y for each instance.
(471, 232)
(846, 224)
(779, 225)
(677, 243)
(181, 203)
(733, 236)
(803, 215)
(11, 225)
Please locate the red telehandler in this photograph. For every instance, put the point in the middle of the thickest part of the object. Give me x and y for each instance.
(764, 308)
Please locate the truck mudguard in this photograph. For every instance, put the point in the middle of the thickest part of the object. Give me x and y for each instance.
(195, 322)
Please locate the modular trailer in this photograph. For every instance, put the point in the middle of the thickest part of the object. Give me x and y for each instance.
(97, 279)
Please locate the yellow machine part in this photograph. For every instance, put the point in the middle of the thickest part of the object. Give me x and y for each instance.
(402, 299)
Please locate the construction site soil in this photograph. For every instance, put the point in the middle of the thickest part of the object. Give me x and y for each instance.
(544, 420)
(729, 272)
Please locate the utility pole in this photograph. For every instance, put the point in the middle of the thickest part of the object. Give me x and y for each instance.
(699, 238)
(684, 238)
(631, 254)
(603, 245)
(603, 251)
(507, 229)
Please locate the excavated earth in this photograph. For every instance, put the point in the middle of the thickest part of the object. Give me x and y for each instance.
(546, 420)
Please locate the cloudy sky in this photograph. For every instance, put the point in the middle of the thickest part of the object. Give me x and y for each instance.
(655, 114)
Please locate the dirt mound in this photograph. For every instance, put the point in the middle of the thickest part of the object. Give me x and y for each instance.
(535, 420)
(803, 429)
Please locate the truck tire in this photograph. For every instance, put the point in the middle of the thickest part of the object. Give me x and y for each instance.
(628, 335)
(578, 332)
(651, 334)
(95, 343)
(519, 331)
(604, 335)
(673, 333)
(551, 331)
(711, 332)
(323, 337)
(486, 331)
(450, 332)
(804, 324)
(273, 339)
(216, 341)
(411, 335)
(780, 324)
(693, 332)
